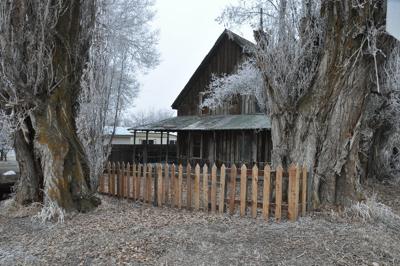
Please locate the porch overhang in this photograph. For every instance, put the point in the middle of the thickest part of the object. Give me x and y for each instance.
(210, 123)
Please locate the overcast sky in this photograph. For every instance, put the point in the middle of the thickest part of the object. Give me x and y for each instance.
(188, 30)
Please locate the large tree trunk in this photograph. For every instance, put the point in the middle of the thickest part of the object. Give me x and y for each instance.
(49, 153)
(323, 129)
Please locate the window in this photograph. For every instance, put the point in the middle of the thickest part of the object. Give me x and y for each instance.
(172, 142)
(196, 146)
(150, 141)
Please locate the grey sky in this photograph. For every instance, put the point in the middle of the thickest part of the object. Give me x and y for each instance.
(188, 30)
(393, 23)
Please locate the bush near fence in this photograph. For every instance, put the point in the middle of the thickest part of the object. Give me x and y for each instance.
(251, 191)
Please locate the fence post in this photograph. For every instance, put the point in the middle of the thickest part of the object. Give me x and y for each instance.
(278, 193)
(197, 187)
(254, 191)
(222, 189)
(266, 191)
(112, 180)
(243, 190)
(214, 188)
(188, 186)
(233, 190)
(179, 192)
(205, 187)
(160, 185)
(128, 180)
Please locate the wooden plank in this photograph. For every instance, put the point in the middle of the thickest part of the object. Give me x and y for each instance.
(278, 193)
(188, 186)
(148, 183)
(179, 192)
(118, 185)
(213, 188)
(222, 189)
(197, 187)
(109, 174)
(233, 190)
(160, 185)
(304, 192)
(128, 180)
(138, 181)
(254, 192)
(134, 182)
(205, 187)
(293, 196)
(174, 184)
(166, 185)
(266, 191)
(243, 189)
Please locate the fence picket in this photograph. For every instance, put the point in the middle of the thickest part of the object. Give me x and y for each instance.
(180, 179)
(108, 177)
(222, 189)
(118, 185)
(266, 191)
(278, 193)
(148, 183)
(213, 188)
(160, 185)
(197, 188)
(205, 188)
(304, 192)
(254, 192)
(188, 186)
(138, 181)
(292, 193)
(133, 184)
(128, 180)
(233, 189)
(166, 185)
(243, 190)
(173, 184)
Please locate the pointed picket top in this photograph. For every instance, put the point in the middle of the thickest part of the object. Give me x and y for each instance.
(159, 166)
(279, 168)
(197, 168)
(149, 167)
(128, 166)
(267, 168)
(292, 167)
(214, 167)
(223, 166)
(233, 167)
(255, 167)
(109, 164)
(205, 168)
(180, 167)
(244, 167)
(123, 165)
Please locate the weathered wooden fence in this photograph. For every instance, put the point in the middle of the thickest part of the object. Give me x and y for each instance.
(248, 191)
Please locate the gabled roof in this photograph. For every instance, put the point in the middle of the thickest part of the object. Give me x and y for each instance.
(210, 123)
(119, 131)
(246, 45)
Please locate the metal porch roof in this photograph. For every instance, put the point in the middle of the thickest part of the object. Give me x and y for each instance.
(209, 123)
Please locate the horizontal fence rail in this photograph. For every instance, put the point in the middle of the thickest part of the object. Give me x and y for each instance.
(254, 192)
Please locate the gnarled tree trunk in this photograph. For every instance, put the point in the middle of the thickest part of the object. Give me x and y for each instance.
(323, 128)
(49, 152)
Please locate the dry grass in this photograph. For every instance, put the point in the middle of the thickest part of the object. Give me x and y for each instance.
(122, 232)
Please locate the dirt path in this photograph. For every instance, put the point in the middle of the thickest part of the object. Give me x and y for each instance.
(124, 232)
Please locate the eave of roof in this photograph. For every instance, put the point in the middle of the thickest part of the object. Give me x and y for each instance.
(246, 45)
(210, 123)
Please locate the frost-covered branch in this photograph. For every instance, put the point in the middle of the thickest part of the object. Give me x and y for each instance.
(247, 80)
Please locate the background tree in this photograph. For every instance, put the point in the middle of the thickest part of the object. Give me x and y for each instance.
(323, 64)
(123, 45)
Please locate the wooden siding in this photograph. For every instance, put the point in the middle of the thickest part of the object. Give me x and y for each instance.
(225, 59)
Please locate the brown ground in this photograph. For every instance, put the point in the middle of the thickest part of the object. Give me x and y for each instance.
(124, 232)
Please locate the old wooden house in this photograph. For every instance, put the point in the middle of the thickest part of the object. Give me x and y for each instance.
(234, 132)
